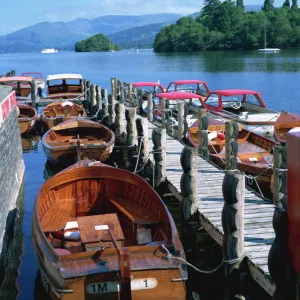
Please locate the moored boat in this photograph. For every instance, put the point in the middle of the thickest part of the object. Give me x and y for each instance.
(58, 112)
(73, 139)
(243, 106)
(27, 117)
(37, 77)
(95, 241)
(254, 156)
(286, 122)
(65, 86)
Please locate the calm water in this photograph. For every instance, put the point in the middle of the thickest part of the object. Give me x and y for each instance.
(277, 76)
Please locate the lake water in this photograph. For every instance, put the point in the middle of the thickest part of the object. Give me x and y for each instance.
(277, 76)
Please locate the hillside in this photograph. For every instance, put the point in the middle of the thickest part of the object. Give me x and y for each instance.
(64, 35)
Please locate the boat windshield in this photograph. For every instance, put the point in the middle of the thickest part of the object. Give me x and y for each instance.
(196, 88)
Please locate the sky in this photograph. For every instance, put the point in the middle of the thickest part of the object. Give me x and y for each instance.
(25, 13)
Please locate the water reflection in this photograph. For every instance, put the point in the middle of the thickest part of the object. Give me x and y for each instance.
(51, 169)
(12, 250)
(30, 142)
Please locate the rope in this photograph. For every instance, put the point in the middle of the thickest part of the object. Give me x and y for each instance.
(231, 262)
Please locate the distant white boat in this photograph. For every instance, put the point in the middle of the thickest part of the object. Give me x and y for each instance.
(49, 50)
(269, 50)
(265, 49)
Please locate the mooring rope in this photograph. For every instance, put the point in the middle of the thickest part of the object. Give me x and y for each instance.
(231, 262)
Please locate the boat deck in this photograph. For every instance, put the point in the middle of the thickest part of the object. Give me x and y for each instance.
(258, 214)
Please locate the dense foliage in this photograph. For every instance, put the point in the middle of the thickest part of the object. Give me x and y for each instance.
(96, 43)
(225, 25)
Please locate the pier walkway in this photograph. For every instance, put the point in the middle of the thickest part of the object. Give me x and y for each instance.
(258, 214)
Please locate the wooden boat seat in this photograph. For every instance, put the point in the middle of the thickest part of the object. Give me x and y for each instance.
(134, 212)
(74, 141)
(25, 92)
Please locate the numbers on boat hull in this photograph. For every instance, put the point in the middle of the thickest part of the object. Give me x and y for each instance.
(114, 286)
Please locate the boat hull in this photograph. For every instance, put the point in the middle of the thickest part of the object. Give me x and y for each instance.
(27, 117)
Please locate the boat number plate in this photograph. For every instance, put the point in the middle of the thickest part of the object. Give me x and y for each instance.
(114, 286)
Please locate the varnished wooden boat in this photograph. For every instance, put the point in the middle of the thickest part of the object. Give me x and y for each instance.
(99, 233)
(58, 112)
(286, 122)
(75, 139)
(27, 117)
(254, 154)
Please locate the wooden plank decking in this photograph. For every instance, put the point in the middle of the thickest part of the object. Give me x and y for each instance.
(258, 214)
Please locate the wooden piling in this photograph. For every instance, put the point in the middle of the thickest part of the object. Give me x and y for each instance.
(203, 134)
(163, 114)
(111, 110)
(93, 99)
(130, 95)
(122, 92)
(159, 139)
(142, 131)
(104, 96)
(86, 103)
(150, 107)
(33, 87)
(119, 123)
(233, 225)
(231, 135)
(130, 115)
(113, 88)
(168, 115)
(180, 109)
(98, 98)
(140, 101)
(188, 182)
(280, 176)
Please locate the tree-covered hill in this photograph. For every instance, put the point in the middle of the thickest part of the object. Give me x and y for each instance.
(226, 25)
(96, 43)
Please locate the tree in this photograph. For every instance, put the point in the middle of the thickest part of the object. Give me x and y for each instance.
(286, 3)
(96, 43)
(240, 4)
(268, 5)
(294, 4)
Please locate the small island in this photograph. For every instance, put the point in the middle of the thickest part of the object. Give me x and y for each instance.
(96, 43)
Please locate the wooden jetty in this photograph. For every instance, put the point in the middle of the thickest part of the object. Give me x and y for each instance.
(254, 231)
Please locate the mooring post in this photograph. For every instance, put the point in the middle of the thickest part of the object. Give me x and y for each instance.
(168, 119)
(122, 92)
(188, 182)
(78, 146)
(140, 101)
(203, 134)
(113, 88)
(233, 225)
(163, 113)
(119, 123)
(93, 100)
(104, 102)
(231, 135)
(116, 89)
(159, 139)
(130, 95)
(98, 99)
(181, 126)
(33, 91)
(130, 115)
(143, 152)
(86, 103)
(111, 110)
(150, 107)
(280, 176)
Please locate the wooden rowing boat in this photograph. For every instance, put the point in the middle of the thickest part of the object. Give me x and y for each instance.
(254, 157)
(74, 139)
(286, 122)
(95, 241)
(58, 112)
(27, 117)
